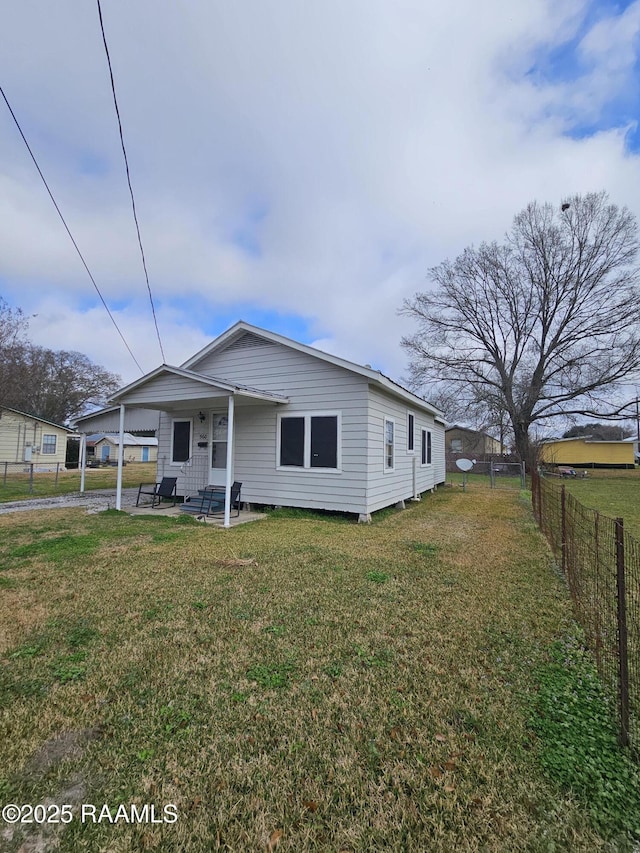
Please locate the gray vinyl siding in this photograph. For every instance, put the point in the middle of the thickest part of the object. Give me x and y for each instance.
(385, 487)
(311, 385)
(167, 389)
(135, 420)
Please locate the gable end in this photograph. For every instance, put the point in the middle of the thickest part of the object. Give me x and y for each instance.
(248, 341)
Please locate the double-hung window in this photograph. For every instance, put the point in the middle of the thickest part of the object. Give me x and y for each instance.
(180, 441)
(426, 447)
(310, 440)
(410, 432)
(389, 444)
(49, 443)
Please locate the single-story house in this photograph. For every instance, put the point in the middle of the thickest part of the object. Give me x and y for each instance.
(105, 447)
(296, 426)
(470, 442)
(29, 439)
(584, 452)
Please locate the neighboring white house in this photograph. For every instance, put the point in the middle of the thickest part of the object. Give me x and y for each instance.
(296, 426)
(32, 440)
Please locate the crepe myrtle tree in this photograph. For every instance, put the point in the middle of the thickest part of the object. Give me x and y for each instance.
(545, 324)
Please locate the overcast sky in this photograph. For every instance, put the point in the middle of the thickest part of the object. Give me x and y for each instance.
(299, 164)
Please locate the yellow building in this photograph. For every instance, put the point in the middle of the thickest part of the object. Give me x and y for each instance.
(587, 453)
(27, 439)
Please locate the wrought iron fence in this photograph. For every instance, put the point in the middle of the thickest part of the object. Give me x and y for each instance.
(601, 564)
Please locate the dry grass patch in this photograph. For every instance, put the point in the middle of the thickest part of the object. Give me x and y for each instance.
(303, 684)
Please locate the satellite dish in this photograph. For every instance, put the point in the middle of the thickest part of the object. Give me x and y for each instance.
(464, 464)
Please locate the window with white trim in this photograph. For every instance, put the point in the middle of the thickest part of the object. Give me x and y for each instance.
(389, 444)
(181, 432)
(49, 444)
(310, 440)
(425, 448)
(411, 429)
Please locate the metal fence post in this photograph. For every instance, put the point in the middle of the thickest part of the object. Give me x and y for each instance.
(4, 482)
(57, 470)
(31, 478)
(622, 636)
(539, 482)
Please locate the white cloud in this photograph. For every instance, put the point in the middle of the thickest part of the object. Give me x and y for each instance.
(312, 159)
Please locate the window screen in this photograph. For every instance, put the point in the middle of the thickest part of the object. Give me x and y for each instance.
(324, 441)
(410, 431)
(181, 441)
(292, 441)
(426, 447)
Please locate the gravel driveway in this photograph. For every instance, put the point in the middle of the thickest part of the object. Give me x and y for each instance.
(93, 501)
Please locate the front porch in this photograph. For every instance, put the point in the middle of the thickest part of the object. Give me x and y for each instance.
(197, 429)
(244, 517)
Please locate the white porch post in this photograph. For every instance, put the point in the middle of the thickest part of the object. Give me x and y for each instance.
(120, 460)
(227, 488)
(83, 460)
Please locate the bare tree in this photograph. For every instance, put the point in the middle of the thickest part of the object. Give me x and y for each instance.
(545, 324)
(54, 385)
(13, 325)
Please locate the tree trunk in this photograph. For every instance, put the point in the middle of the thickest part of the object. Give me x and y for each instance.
(524, 449)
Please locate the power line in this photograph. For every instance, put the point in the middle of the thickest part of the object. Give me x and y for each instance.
(55, 204)
(126, 164)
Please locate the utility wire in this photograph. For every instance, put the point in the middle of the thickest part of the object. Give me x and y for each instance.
(126, 164)
(55, 204)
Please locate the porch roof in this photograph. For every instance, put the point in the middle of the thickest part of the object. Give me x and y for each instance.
(169, 388)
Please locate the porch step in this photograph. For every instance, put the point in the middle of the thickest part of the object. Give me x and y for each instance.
(202, 504)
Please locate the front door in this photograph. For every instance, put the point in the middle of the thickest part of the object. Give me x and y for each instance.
(218, 451)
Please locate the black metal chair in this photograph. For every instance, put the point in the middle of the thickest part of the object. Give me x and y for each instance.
(166, 489)
(217, 500)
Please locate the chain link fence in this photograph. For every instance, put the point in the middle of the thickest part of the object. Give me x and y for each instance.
(496, 473)
(601, 564)
(29, 478)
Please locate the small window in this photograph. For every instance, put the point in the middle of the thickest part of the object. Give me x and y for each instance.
(49, 443)
(456, 445)
(410, 432)
(426, 447)
(389, 444)
(180, 442)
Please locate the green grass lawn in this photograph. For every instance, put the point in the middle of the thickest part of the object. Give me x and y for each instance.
(16, 486)
(297, 684)
(613, 493)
